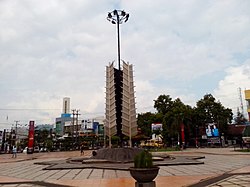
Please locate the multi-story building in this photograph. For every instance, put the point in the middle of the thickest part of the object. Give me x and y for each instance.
(94, 125)
(65, 117)
(69, 124)
(247, 97)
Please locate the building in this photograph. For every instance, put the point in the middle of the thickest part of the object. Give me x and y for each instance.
(120, 112)
(65, 117)
(237, 133)
(92, 126)
(247, 97)
(60, 124)
(66, 105)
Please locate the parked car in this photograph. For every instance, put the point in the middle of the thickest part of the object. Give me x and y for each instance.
(43, 149)
(36, 149)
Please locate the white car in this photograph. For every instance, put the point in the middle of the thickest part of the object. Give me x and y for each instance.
(43, 149)
(25, 150)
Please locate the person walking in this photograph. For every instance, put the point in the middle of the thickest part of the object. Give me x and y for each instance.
(82, 152)
(14, 152)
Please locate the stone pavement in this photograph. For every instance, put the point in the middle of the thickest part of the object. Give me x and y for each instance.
(222, 167)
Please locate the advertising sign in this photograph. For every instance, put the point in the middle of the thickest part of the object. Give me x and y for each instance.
(86, 124)
(31, 136)
(1, 140)
(212, 130)
(156, 126)
(95, 127)
(182, 133)
(1, 136)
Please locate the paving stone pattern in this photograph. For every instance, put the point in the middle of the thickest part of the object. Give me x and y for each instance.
(235, 180)
(214, 164)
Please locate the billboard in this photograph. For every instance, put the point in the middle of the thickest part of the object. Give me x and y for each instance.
(31, 135)
(1, 139)
(212, 130)
(65, 115)
(86, 124)
(95, 127)
(156, 126)
(1, 136)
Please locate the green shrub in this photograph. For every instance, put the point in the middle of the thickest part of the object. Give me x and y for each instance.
(143, 160)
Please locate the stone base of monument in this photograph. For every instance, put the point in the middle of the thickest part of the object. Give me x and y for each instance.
(145, 184)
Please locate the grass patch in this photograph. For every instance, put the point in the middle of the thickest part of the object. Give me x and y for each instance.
(243, 150)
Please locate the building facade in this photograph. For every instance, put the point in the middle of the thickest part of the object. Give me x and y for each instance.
(65, 117)
(247, 97)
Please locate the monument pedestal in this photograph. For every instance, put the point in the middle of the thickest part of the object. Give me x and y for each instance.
(145, 184)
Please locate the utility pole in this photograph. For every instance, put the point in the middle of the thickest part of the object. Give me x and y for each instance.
(16, 132)
(73, 123)
(74, 129)
(77, 114)
(77, 129)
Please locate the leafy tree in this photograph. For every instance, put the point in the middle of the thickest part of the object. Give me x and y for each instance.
(172, 113)
(178, 114)
(163, 104)
(144, 122)
(240, 119)
(41, 136)
(49, 144)
(208, 110)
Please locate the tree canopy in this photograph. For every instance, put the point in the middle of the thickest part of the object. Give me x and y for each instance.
(163, 104)
(208, 110)
(240, 118)
(172, 113)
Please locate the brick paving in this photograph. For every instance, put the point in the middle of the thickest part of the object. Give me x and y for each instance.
(235, 180)
(230, 168)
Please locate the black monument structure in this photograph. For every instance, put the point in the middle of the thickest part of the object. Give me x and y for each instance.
(120, 100)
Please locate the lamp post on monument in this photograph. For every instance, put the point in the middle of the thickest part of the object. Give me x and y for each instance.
(118, 17)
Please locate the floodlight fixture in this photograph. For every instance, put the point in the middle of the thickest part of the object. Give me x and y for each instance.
(118, 17)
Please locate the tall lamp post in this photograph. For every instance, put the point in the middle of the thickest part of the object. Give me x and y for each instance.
(118, 17)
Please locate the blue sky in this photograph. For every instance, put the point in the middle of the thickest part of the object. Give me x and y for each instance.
(59, 48)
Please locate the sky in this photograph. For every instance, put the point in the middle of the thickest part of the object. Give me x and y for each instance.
(60, 48)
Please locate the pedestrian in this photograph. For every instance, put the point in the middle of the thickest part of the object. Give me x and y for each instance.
(14, 152)
(82, 152)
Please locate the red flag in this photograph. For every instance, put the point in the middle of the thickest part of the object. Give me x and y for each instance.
(182, 133)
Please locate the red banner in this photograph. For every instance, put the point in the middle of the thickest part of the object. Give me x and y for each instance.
(182, 133)
(31, 134)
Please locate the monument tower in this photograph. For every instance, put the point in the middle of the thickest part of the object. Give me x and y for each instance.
(120, 109)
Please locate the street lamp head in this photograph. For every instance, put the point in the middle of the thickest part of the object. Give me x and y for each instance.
(126, 19)
(123, 13)
(109, 15)
(118, 16)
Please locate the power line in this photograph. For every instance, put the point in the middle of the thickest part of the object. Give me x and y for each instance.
(28, 109)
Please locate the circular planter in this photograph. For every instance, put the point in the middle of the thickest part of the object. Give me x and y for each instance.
(142, 175)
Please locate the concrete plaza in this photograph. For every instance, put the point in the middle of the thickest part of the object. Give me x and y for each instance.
(222, 167)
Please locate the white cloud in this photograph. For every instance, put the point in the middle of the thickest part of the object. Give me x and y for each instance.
(228, 91)
(59, 48)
